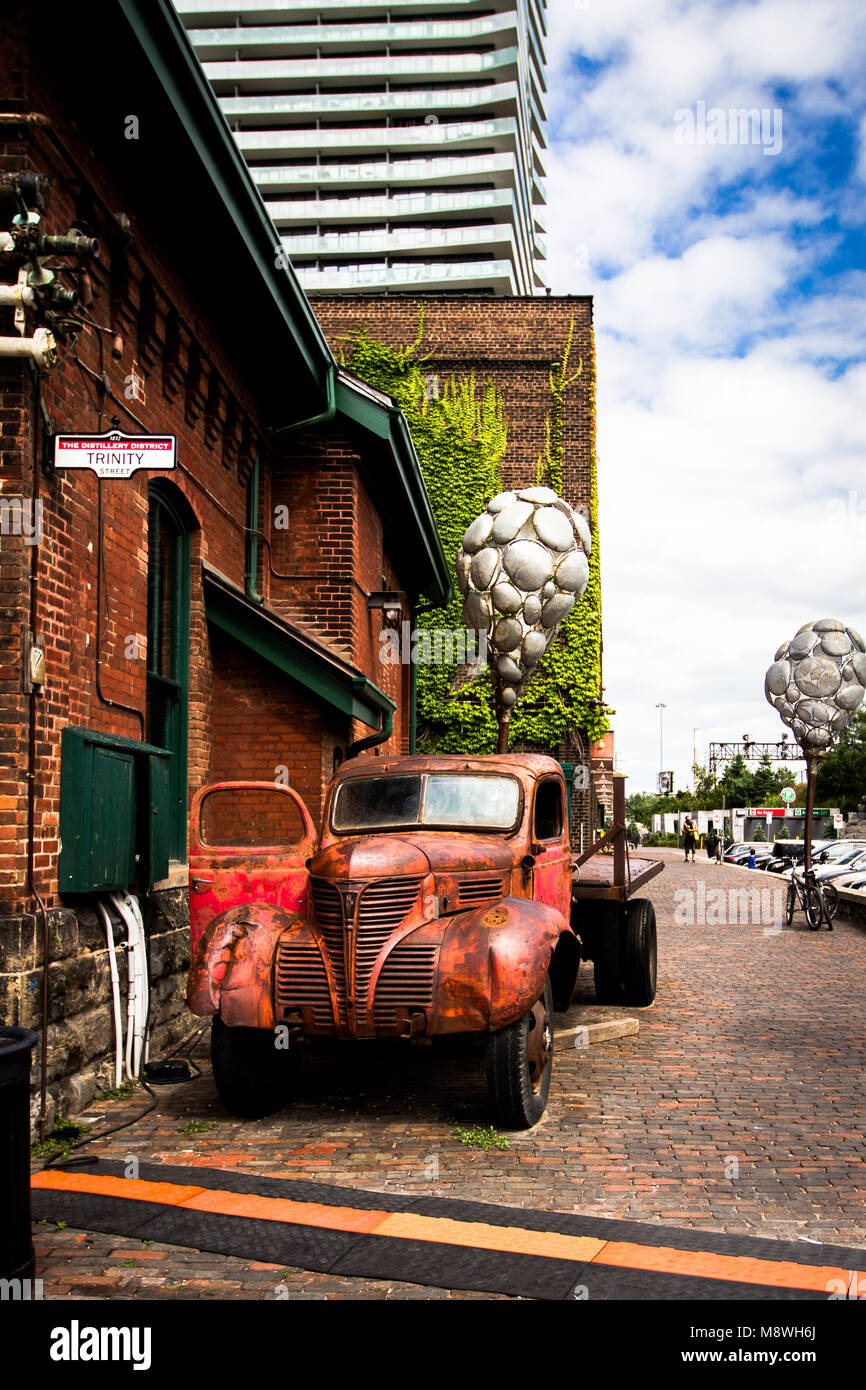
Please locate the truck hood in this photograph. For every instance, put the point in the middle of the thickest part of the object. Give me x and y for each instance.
(379, 856)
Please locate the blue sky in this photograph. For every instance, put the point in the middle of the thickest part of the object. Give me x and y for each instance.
(729, 279)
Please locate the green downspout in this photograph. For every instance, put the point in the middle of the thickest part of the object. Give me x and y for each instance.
(252, 568)
(413, 708)
(385, 732)
(324, 417)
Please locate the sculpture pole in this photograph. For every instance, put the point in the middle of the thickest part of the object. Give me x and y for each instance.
(504, 722)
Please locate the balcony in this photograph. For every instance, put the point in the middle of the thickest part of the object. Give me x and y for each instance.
(255, 41)
(250, 109)
(500, 133)
(497, 276)
(498, 169)
(349, 71)
(380, 242)
(403, 207)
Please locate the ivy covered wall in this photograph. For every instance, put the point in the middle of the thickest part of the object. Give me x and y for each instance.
(460, 434)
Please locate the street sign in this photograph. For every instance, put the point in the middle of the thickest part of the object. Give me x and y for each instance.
(717, 820)
(838, 820)
(801, 811)
(788, 794)
(115, 455)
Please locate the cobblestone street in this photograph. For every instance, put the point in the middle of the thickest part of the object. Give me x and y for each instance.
(738, 1107)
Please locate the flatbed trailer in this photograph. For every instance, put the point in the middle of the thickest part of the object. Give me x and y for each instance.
(616, 928)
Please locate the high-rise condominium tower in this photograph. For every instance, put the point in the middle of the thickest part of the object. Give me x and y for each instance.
(398, 144)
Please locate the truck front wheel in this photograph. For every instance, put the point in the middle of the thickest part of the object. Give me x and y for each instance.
(252, 1075)
(519, 1066)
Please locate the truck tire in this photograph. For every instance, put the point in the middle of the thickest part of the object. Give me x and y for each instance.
(640, 953)
(519, 1066)
(253, 1077)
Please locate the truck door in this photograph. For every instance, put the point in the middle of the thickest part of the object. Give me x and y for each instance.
(552, 872)
(249, 842)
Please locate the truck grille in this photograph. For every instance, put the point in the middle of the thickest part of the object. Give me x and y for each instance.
(382, 908)
(406, 977)
(478, 890)
(301, 982)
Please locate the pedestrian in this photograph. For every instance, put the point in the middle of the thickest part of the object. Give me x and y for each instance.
(711, 844)
(752, 860)
(689, 835)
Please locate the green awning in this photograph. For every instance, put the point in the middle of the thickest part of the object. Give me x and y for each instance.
(292, 653)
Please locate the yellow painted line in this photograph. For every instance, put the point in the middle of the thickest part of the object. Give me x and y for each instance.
(476, 1235)
(742, 1269)
(168, 1193)
(285, 1210)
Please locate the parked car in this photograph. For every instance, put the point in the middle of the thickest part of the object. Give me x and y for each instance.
(855, 859)
(789, 852)
(739, 854)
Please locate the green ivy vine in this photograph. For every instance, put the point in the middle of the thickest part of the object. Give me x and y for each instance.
(460, 436)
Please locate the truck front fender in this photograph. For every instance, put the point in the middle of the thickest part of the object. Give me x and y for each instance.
(493, 963)
(232, 965)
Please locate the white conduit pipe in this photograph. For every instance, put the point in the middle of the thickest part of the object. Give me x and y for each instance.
(139, 992)
(115, 993)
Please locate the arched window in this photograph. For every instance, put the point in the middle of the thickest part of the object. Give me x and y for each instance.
(169, 523)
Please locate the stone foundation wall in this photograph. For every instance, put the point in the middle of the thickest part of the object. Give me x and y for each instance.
(80, 1011)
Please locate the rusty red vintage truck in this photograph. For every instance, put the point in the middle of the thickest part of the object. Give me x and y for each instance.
(441, 897)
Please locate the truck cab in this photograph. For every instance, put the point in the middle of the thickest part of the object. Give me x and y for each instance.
(435, 899)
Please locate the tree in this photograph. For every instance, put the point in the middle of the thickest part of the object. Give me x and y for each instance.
(842, 773)
(765, 782)
(737, 782)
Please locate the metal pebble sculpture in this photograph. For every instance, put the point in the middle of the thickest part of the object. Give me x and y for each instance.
(817, 682)
(522, 566)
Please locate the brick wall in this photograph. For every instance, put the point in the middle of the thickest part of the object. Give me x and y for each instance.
(512, 343)
(149, 359)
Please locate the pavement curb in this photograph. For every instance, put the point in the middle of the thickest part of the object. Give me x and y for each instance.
(585, 1034)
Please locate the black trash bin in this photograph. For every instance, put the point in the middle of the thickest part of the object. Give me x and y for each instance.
(16, 1236)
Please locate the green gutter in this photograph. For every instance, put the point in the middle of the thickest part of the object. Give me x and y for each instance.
(171, 56)
(264, 634)
(252, 567)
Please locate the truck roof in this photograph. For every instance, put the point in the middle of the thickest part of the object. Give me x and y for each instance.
(527, 765)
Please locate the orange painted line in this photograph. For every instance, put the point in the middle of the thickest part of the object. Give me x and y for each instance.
(168, 1193)
(283, 1209)
(477, 1235)
(515, 1239)
(742, 1269)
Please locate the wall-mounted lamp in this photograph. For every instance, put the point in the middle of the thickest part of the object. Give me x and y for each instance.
(389, 601)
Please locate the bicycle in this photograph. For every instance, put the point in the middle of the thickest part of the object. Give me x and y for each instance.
(819, 901)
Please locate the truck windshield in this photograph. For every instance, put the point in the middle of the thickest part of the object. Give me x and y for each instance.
(433, 799)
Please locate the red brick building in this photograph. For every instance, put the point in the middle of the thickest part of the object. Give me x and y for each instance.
(217, 621)
(513, 343)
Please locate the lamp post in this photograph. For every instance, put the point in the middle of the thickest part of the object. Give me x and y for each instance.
(695, 761)
(660, 706)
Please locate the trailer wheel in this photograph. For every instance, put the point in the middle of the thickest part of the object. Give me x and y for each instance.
(519, 1066)
(253, 1077)
(640, 952)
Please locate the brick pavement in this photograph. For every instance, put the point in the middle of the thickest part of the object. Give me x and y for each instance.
(738, 1107)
